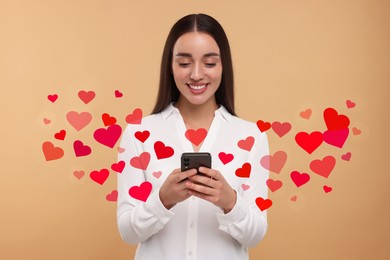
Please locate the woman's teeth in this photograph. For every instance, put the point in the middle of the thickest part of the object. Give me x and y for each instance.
(197, 87)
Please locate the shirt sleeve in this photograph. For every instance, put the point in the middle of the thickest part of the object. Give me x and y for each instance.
(137, 220)
(246, 222)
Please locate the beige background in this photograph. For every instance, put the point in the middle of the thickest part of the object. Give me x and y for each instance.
(288, 56)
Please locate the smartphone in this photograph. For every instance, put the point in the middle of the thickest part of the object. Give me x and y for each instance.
(195, 160)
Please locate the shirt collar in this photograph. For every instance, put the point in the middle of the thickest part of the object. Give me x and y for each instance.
(172, 109)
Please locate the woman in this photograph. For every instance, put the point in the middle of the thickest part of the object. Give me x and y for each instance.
(184, 215)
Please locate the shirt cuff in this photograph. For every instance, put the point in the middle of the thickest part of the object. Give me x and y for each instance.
(238, 212)
(155, 206)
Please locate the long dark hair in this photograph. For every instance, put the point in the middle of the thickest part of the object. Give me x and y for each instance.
(168, 91)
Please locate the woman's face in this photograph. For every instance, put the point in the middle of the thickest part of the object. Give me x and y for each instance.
(197, 68)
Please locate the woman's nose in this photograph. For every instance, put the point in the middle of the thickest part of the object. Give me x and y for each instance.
(197, 72)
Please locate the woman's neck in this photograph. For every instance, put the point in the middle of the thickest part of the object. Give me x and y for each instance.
(197, 116)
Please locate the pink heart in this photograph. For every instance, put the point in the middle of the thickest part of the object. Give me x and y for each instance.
(109, 136)
(46, 121)
(281, 128)
(306, 114)
(113, 196)
(78, 174)
(225, 157)
(336, 137)
(85, 96)
(80, 149)
(157, 174)
(118, 167)
(350, 104)
(245, 187)
(356, 131)
(135, 117)
(299, 178)
(274, 185)
(99, 177)
(346, 157)
(294, 198)
(327, 189)
(121, 150)
(274, 162)
(78, 120)
(141, 161)
(141, 192)
(247, 143)
(323, 167)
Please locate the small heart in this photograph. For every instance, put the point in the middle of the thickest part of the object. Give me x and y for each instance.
(244, 171)
(142, 136)
(109, 136)
(299, 178)
(356, 131)
(263, 204)
(78, 174)
(162, 151)
(263, 126)
(141, 192)
(327, 189)
(52, 98)
(245, 187)
(306, 114)
(118, 167)
(323, 167)
(350, 104)
(60, 135)
(141, 161)
(113, 196)
(46, 121)
(247, 143)
(86, 96)
(225, 157)
(274, 185)
(346, 157)
(157, 174)
(118, 94)
(121, 150)
(294, 198)
(281, 129)
(51, 152)
(135, 117)
(336, 137)
(80, 149)
(196, 136)
(334, 121)
(275, 162)
(78, 120)
(309, 142)
(99, 177)
(108, 120)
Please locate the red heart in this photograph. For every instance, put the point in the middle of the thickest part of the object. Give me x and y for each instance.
(118, 167)
(142, 192)
(118, 94)
(327, 189)
(334, 121)
(275, 162)
(60, 135)
(141, 161)
(306, 114)
(244, 171)
(78, 174)
(99, 176)
(281, 128)
(51, 152)
(274, 185)
(113, 196)
(135, 117)
(85, 96)
(196, 136)
(346, 157)
(162, 151)
(323, 167)
(336, 137)
(108, 120)
(263, 204)
(78, 120)
(299, 178)
(309, 142)
(350, 104)
(263, 126)
(225, 157)
(52, 98)
(109, 136)
(80, 149)
(246, 144)
(142, 136)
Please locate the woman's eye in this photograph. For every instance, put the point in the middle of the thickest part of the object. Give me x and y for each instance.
(184, 64)
(210, 64)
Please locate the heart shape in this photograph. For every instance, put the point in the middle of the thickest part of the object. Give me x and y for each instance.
(78, 120)
(294, 198)
(86, 96)
(135, 117)
(108, 120)
(60, 135)
(118, 167)
(263, 126)
(350, 104)
(113, 196)
(244, 171)
(334, 121)
(323, 167)
(99, 177)
(336, 137)
(247, 143)
(346, 157)
(281, 129)
(299, 178)
(46, 121)
(309, 142)
(306, 114)
(80, 149)
(275, 162)
(327, 188)
(263, 204)
(52, 98)
(356, 131)
(51, 152)
(196, 136)
(142, 136)
(141, 192)
(78, 174)
(121, 150)
(225, 157)
(157, 174)
(245, 187)
(141, 161)
(274, 185)
(162, 151)
(109, 136)
(118, 94)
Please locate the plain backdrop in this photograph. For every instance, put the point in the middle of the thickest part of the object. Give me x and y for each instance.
(288, 56)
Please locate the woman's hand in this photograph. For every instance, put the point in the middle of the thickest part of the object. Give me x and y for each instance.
(212, 187)
(174, 189)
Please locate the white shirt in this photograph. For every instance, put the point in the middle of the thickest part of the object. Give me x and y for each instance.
(194, 228)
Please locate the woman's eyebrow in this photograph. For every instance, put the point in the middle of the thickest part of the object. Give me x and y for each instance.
(185, 54)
